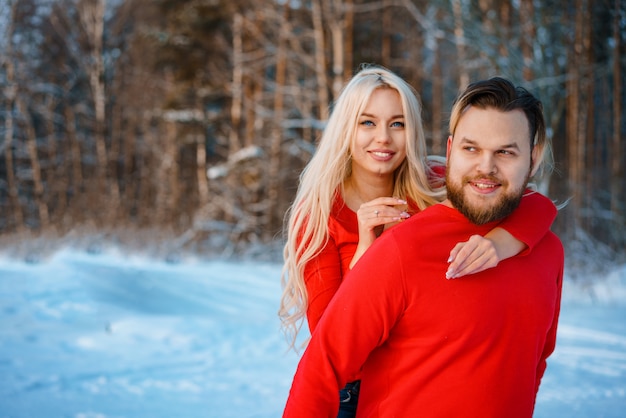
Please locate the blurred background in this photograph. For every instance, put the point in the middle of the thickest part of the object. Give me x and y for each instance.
(182, 125)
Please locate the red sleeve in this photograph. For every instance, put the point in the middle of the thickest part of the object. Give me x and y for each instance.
(437, 175)
(322, 277)
(348, 332)
(532, 219)
(551, 337)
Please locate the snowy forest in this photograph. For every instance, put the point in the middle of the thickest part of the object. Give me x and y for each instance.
(184, 124)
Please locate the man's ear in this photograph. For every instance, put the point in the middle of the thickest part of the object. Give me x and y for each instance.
(448, 146)
(537, 158)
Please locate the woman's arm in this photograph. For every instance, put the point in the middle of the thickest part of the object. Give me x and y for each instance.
(322, 277)
(323, 274)
(373, 217)
(516, 234)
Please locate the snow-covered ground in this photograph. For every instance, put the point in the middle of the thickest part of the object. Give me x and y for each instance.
(111, 335)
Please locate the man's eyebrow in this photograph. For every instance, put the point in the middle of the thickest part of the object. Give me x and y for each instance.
(469, 141)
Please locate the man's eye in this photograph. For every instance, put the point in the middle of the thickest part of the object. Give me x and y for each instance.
(506, 153)
(469, 149)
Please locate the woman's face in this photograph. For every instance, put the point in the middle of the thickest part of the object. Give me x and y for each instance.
(380, 144)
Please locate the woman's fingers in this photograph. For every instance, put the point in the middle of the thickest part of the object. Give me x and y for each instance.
(388, 201)
(472, 256)
(383, 210)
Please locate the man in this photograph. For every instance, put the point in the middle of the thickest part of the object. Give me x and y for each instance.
(432, 347)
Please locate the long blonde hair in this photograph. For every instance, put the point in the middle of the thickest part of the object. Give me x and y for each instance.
(330, 166)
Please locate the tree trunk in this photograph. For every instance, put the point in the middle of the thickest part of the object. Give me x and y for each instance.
(320, 59)
(336, 32)
(588, 129)
(148, 210)
(165, 175)
(35, 166)
(276, 138)
(438, 136)
(338, 27)
(77, 185)
(91, 13)
(348, 40)
(130, 180)
(527, 11)
(573, 123)
(56, 176)
(12, 187)
(10, 93)
(115, 156)
(459, 40)
(617, 158)
(237, 84)
(505, 28)
(201, 175)
(385, 42)
(253, 123)
(486, 8)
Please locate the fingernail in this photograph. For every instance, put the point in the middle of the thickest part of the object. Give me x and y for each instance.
(402, 201)
(405, 215)
(450, 274)
(450, 259)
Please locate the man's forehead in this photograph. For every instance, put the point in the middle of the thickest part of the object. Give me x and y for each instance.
(478, 124)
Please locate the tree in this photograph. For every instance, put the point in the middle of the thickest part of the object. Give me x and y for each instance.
(113, 112)
(10, 92)
(617, 151)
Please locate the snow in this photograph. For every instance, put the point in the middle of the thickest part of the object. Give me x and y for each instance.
(113, 335)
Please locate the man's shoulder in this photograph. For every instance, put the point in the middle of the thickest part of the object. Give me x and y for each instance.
(418, 220)
(435, 213)
(435, 220)
(548, 254)
(553, 241)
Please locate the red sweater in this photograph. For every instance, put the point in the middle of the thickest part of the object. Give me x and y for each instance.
(323, 274)
(432, 347)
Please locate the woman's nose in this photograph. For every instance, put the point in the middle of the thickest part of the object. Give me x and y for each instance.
(383, 135)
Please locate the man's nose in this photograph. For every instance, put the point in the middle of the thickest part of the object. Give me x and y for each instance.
(487, 164)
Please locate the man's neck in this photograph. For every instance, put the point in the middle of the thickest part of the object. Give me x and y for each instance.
(447, 203)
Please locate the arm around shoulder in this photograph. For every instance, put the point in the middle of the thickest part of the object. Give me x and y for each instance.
(532, 219)
(517, 234)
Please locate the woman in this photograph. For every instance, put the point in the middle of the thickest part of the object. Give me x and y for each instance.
(369, 173)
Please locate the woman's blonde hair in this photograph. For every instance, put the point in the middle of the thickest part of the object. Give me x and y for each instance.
(330, 166)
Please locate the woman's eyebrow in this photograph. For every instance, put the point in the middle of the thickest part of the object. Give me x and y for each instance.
(373, 116)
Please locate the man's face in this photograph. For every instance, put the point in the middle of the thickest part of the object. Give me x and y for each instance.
(489, 163)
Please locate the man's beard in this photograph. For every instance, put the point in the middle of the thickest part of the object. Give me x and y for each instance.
(505, 205)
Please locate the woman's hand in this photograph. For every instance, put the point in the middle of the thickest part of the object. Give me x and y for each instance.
(373, 216)
(472, 256)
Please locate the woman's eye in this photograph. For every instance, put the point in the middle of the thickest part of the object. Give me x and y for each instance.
(367, 123)
(397, 124)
